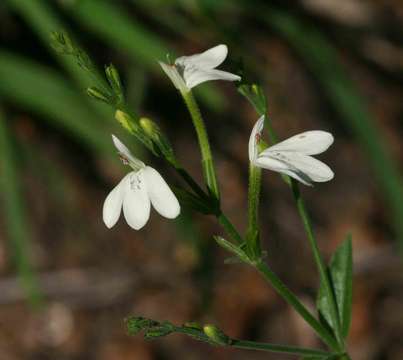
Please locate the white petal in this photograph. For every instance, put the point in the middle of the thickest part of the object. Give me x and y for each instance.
(136, 203)
(208, 59)
(195, 76)
(308, 143)
(113, 204)
(280, 167)
(125, 152)
(303, 166)
(161, 196)
(174, 75)
(256, 131)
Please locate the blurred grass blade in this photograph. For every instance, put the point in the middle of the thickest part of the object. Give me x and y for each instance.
(14, 214)
(40, 89)
(43, 21)
(340, 272)
(322, 59)
(121, 31)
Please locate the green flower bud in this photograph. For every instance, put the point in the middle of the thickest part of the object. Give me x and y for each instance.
(97, 94)
(152, 130)
(216, 335)
(163, 329)
(113, 77)
(135, 324)
(125, 120)
(150, 127)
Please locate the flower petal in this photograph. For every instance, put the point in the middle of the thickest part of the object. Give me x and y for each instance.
(269, 163)
(174, 75)
(253, 141)
(208, 59)
(125, 152)
(113, 204)
(194, 76)
(303, 165)
(136, 203)
(161, 196)
(308, 143)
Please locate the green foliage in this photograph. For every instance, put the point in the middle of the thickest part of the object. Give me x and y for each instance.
(340, 274)
(15, 215)
(21, 82)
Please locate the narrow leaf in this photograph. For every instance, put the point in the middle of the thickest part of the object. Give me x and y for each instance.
(231, 248)
(341, 268)
(340, 274)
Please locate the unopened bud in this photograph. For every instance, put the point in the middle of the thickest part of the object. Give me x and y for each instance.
(216, 335)
(135, 324)
(113, 77)
(150, 127)
(125, 120)
(153, 131)
(97, 94)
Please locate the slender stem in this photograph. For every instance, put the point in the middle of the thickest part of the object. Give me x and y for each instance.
(252, 236)
(291, 299)
(252, 345)
(190, 181)
(207, 159)
(229, 228)
(318, 260)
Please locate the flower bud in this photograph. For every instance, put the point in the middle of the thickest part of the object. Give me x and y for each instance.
(125, 120)
(216, 335)
(97, 94)
(135, 324)
(113, 77)
(156, 135)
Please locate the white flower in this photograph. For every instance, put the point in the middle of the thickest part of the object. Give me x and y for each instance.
(292, 156)
(136, 191)
(189, 71)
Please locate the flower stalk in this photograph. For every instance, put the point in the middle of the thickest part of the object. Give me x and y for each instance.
(213, 335)
(207, 159)
(252, 233)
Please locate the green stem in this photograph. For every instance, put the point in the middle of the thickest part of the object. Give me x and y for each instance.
(318, 260)
(229, 228)
(252, 345)
(292, 300)
(189, 180)
(207, 159)
(252, 234)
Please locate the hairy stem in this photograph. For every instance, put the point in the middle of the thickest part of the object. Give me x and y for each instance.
(252, 233)
(207, 159)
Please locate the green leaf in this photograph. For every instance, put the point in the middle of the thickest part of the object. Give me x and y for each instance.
(341, 269)
(340, 273)
(232, 248)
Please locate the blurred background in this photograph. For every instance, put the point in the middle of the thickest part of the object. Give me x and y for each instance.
(67, 282)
